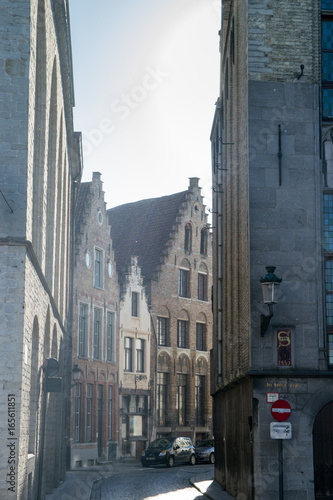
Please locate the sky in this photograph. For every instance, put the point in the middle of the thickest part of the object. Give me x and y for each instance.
(146, 79)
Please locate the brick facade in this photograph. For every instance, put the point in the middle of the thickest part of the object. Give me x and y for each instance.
(171, 238)
(95, 350)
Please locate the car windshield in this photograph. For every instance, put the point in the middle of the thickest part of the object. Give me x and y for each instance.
(161, 442)
(205, 444)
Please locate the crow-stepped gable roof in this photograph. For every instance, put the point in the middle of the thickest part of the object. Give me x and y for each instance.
(144, 229)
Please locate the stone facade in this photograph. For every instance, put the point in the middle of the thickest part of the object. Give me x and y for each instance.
(267, 151)
(40, 158)
(134, 363)
(95, 350)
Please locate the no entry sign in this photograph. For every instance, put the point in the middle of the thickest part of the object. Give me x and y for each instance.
(281, 410)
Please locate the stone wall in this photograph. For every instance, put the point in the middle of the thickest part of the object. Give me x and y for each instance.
(40, 158)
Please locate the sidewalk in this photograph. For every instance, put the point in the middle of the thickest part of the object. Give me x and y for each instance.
(204, 483)
(79, 483)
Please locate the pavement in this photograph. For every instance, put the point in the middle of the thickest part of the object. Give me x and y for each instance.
(78, 484)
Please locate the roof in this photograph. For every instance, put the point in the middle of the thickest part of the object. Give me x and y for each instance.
(143, 229)
(81, 204)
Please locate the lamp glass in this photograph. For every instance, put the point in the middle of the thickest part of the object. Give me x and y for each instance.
(270, 292)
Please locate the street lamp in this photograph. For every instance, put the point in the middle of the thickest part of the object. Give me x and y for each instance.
(76, 373)
(270, 291)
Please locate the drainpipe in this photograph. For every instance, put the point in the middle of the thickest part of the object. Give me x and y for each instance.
(154, 419)
(219, 253)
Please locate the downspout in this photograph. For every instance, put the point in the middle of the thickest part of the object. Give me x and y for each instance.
(154, 419)
(75, 186)
(219, 251)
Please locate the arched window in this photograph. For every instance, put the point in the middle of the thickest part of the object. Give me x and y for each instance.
(188, 238)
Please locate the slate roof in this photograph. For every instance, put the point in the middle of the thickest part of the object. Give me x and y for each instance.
(81, 204)
(143, 229)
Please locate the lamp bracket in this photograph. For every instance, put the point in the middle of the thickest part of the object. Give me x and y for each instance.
(265, 320)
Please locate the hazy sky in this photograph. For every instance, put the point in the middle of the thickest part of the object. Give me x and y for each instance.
(146, 82)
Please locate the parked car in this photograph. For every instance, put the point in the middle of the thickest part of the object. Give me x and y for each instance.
(169, 451)
(205, 451)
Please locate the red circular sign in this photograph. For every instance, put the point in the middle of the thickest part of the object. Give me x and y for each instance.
(281, 410)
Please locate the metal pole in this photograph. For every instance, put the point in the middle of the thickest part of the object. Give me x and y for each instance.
(280, 469)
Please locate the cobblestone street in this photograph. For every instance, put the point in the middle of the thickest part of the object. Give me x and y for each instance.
(132, 482)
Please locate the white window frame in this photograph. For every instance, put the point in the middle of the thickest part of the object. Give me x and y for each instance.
(99, 283)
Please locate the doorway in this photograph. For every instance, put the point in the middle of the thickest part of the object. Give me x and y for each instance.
(323, 453)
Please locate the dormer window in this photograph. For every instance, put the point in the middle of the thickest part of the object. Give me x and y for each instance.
(188, 238)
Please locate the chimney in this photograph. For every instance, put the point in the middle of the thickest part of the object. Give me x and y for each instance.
(194, 182)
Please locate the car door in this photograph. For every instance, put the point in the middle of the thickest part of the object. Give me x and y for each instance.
(177, 449)
(187, 450)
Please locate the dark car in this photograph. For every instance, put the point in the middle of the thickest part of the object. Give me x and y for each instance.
(169, 451)
(204, 451)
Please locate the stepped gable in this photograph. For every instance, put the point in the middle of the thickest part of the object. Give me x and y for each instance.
(81, 205)
(143, 229)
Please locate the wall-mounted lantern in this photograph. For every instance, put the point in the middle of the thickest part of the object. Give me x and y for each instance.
(270, 291)
(76, 373)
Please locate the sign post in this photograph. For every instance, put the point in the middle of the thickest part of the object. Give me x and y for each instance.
(281, 411)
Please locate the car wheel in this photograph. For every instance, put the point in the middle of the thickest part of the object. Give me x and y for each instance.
(212, 458)
(192, 460)
(170, 462)
(144, 464)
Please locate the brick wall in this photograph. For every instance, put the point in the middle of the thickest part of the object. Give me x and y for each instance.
(166, 302)
(93, 232)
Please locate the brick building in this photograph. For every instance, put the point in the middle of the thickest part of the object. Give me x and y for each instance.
(170, 237)
(273, 197)
(94, 374)
(40, 156)
(134, 363)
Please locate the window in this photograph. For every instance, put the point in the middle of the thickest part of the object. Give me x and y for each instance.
(203, 242)
(162, 384)
(329, 306)
(135, 304)
(328, 249)
(202, 286)
(184, 283)
(140, 355)
(188, 238)
(181, 382)
(110, 337)
(182, 333)
(128, 349)
(98, 268)
(88, 412)
(162, 330)
(199, 400)
(77, 412)
(110, 412)
(201, 336)
(83, 330)
(327, 58)
(97, 333)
